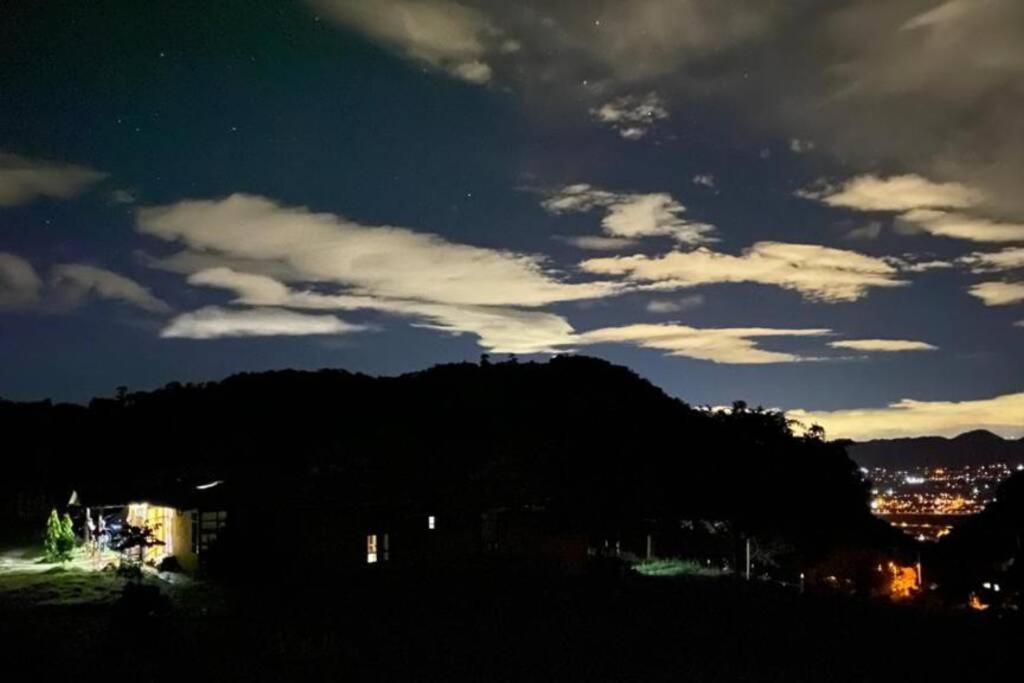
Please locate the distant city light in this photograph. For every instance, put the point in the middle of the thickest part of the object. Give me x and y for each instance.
(907, 496)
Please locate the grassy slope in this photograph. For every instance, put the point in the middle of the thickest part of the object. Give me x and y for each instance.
(505, 627)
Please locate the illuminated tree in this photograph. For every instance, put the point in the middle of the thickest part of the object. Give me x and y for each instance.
(59, 541)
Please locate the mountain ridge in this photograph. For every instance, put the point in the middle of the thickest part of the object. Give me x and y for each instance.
(975, 447)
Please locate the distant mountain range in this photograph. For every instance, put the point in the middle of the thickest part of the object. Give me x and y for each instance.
(970, 448)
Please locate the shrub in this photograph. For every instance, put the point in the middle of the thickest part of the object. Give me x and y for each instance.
(59, 540)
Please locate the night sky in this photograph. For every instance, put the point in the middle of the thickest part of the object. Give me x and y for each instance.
(813, 206)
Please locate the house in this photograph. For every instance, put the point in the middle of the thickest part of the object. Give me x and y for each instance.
(186, 519)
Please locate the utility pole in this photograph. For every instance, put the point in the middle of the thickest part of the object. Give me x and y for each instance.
(650, 550)
(748, 559)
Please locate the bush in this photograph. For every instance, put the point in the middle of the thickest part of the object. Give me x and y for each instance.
(59, 541)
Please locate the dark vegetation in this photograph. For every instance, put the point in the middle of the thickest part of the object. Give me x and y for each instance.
(507, 627)
(591, 443)
(988, 548)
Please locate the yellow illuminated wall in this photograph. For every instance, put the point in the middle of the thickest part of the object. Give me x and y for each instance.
(172, 527)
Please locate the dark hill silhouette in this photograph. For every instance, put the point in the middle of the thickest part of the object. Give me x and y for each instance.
(591, 442)
(979, 447)
(988, 547)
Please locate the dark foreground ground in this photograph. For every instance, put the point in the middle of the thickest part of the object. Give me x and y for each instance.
(501, 626)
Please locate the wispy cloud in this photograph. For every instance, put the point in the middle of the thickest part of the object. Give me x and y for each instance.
(868, 231)
(685, 303)
(25, 180)
(816, 272)
(442, 285)
(73, 283)
(882, 345)
(986, 262)
(20, 285)
(448, 35)
(631, 215)
(382, 261)
(921, 205)
(736, 346)
(631, 115)
(500, 329)
(998, 293)
(963, 226)
(69, 286)
(599, 243)
(214, 322)
(1001, 414)
(895, 193)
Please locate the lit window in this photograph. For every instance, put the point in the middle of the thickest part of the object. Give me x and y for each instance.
(431, 522)
(371, 548)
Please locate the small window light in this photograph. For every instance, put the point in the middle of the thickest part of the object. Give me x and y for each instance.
(371, 549)
(431, 522)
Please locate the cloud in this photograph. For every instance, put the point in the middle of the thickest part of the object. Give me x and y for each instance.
(818, 273)
(122, 196)
(885, 345)
(214, 322)
(380, 261)
(20, 286)
(906, 418)
(450, 36)
(24, 180)
(869, 231)
(963, 226)
(798, 146)
(986, 262)
(631, 115)
(896, 193)
(642, 40)
(999, 293)
(923, 206)
(631, 215)
(719, 345)
(915, 263)
(705, 180)
(72, 283)
(942, 14)
(927, 88)
(499, 329)
(598, 243)
(675, 305)
(69, 285)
